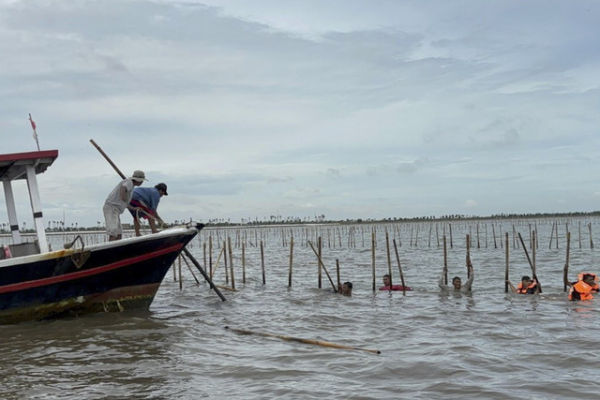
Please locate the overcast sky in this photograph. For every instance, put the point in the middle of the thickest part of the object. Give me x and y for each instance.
(347, 108)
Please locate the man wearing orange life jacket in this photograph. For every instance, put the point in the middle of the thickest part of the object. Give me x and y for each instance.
(584, 288)
(526, 286)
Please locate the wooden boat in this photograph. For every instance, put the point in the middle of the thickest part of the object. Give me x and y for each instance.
(36, 283)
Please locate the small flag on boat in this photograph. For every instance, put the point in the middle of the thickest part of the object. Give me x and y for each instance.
(35, 136)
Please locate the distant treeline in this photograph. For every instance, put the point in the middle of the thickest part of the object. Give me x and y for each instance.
(322, 220)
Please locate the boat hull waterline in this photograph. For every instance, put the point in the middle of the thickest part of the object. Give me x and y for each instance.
(113, 276)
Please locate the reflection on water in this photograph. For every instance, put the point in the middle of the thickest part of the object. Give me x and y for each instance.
(488, 344)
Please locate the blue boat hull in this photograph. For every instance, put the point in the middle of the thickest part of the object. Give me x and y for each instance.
(105, 278)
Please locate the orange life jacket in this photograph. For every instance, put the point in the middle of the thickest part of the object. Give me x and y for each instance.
(595, 286)
(581, 290)
(526, 290)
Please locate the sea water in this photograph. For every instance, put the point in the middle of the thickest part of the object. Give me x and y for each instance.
(486, 345)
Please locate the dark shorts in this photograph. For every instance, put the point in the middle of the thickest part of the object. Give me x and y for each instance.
(135, 203)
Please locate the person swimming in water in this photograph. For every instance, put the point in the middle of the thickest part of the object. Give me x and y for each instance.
(584, 288)
(457, 285)
(526, 286)
(346, 289)
(387, 282)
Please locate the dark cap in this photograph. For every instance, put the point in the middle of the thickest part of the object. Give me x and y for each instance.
(163, 187)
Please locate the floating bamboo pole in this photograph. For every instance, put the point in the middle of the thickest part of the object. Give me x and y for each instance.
(301, 340)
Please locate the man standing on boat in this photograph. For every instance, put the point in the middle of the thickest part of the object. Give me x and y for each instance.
(117, 201)
(144, 203)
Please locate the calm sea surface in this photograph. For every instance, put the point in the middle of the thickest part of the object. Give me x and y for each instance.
(488, 345)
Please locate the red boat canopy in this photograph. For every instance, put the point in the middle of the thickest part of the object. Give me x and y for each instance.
(13, 166)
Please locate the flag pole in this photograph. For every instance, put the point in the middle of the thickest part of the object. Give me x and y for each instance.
(35, 136)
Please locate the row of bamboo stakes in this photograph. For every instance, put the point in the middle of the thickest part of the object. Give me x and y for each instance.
(333, 235)
(226, 253)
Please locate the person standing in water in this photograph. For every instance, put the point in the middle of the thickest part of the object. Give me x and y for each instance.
(457, 285)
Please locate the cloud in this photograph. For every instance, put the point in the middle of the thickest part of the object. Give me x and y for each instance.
(242, 107)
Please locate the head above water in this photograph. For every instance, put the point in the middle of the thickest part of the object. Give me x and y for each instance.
(386, 280)
(589, 278)
(347, 288)
(456, 282)
(526, 279)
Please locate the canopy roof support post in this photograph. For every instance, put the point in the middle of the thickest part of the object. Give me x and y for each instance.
(36, 208)
(12, 211)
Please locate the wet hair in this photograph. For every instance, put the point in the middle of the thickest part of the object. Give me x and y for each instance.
(349, 284)
(587, 276)
(388, 275)
(525, 278)
(456, 278)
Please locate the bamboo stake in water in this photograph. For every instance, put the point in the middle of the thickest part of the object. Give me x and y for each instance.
(291, 261)
(373, 258)
(551, 236)
(566, 268)
(301, 340)
(322, 266)
(506, 254)
(190, 269)
(174, 273)
(204, 274)
(591, 241)
(262, 262)
(494, 235)
(231, 263)
(244, 262)
(399, 269)
(530, 263)
(337, 270)
(533, 247)
(179, 267)
(445, 261)
(319, 263)
(389, 259)
(468, 256)
(210, 248)
(450, 227)
(225, 260)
